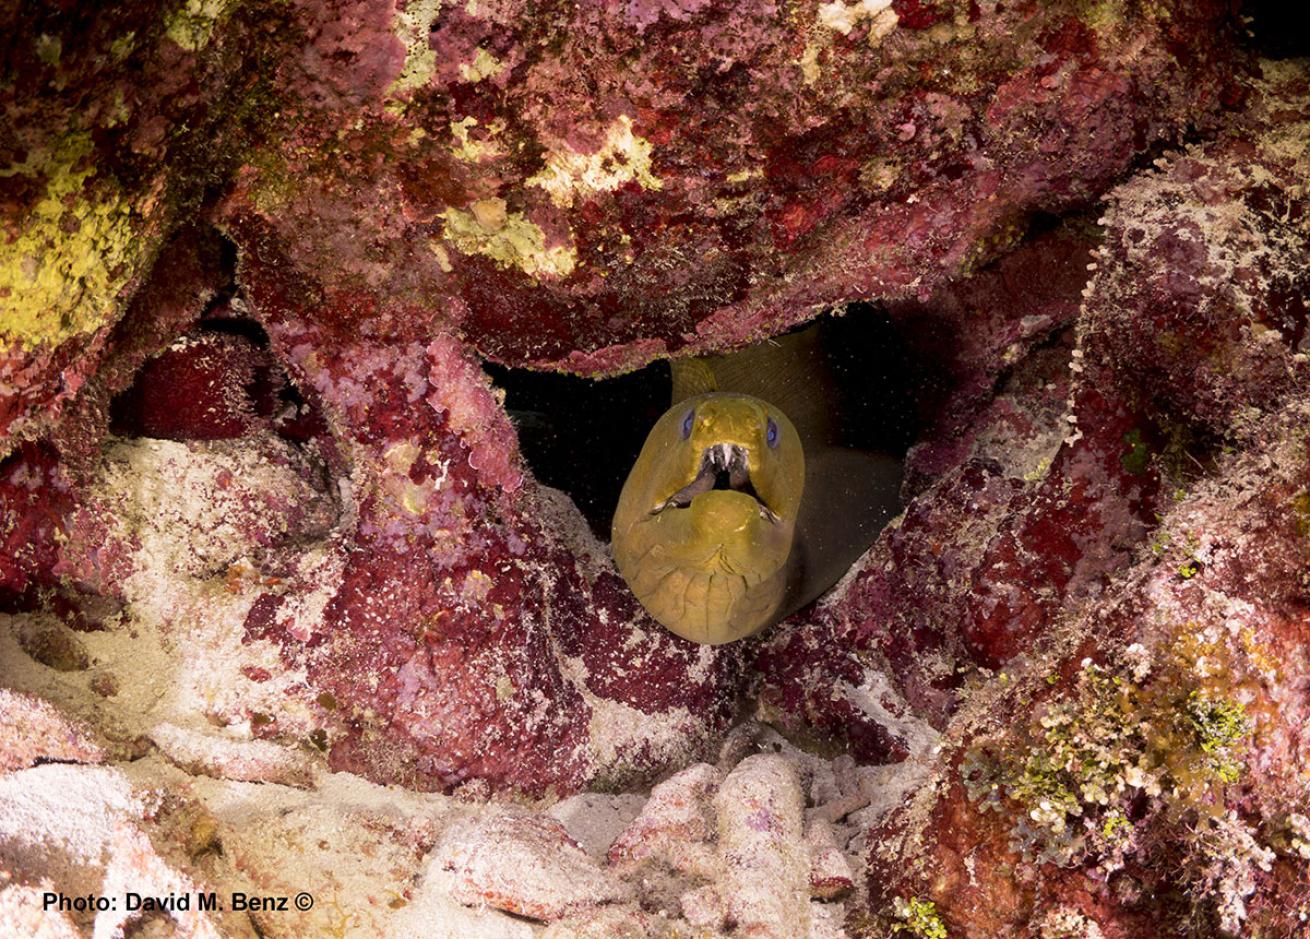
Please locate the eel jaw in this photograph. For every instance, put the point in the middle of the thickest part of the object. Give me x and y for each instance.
(723, 466)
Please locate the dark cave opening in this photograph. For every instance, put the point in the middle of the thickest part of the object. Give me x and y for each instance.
(583, 435)
(1278, 28)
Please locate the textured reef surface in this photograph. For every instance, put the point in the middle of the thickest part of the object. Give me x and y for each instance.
(283, 607)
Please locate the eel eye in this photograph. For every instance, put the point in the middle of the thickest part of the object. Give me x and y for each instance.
(686, 424)
(771, 434)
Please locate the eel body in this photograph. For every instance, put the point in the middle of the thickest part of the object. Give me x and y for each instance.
(743, 504)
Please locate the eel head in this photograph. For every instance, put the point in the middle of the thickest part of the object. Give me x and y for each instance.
(704, 527)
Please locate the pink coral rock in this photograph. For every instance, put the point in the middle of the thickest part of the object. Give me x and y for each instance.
(33, 730)
(676, 822)
(830, 872)
(766, 887)
(525, 864)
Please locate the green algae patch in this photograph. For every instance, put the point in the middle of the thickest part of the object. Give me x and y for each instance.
(73, 254)
(1301, 512)
(917, 917)
(1176, 738)
(1004, 236)
(1219, 726)
(509, 239)
(49, 48)
(471, 149)
(1137, 758)
(1137, 457)
(484, 65)
(192, 24)
(1105, 17)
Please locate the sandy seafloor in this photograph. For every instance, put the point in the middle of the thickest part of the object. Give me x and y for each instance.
(173, 792)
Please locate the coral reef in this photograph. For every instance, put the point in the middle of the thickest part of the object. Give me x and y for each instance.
(1131, 772)
(724, 171)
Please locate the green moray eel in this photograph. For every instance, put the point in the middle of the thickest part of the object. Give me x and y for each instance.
(704, 526)
(733, 516)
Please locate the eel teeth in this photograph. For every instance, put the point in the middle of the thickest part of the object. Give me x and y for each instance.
(718, 461)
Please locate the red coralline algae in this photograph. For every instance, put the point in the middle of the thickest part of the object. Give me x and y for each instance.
(1203, 306)
(989, 549)
(473, 413)
(803, 159)
(34, 381)
(468, 631)
(1204, 635)
(199, 388)
(35, 497)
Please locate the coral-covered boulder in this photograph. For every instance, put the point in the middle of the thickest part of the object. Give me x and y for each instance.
(1200, 298)
(1136, 772)
(725, 169)
(1141, 778)
(992, 546)
(464, 625)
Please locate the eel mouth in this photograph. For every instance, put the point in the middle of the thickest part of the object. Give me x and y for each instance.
(723, 466)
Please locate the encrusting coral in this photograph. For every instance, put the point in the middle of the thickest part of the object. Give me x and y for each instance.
(1133, 771)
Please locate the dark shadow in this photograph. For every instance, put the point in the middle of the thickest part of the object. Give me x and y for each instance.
(581, 435)
(1280, 29)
